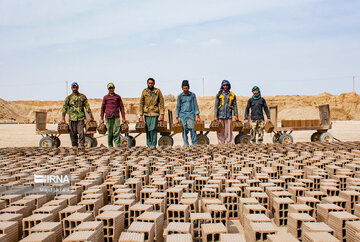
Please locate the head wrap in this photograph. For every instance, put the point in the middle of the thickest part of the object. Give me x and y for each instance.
(224, 82)
(74, 84)
(258, 96)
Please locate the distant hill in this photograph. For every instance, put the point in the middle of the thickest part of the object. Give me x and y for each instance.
(343, 107)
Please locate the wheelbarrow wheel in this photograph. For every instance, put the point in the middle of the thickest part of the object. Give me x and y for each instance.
(276, 139)
(126, 141)
(166, 141)
(315, 137)
(57, 141)
(244, 139)
(46, 142)
(236, 139)
(286, 139)
(326, 137)
(88, 142)
(95, 142)
(202, 139)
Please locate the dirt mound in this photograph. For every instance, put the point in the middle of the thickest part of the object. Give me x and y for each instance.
(343, 107)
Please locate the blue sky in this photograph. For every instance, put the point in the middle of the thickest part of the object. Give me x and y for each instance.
(285, 47)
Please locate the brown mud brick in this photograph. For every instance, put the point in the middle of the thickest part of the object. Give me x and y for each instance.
(231, 202)
(252, 209)
(48, 227)
(316, 227)
(72, 221)
(7, 217)
(319, 237)
(143, 227)
(96, 226)
(53, 210)
(137, 209)
(39, 199)
(154, 217)
(193, 204)
(295, 222)
(262, 197)
(27, 204)
(338, 220)
(178, 213)
(135, 185)
(316, 194)
(256, 218)
(158, 204)
(211, 232)
(323, 211)
(10, 199)
(196, 219)
(173, 196)
(127, 203)
(259, 231)
(352, 229)
(282, 237)
(179, 238)
(145, 193)
(40, 237)
(131, 237)
(70, 199)
(66, 212)
(281, 208)
(177, 228)
(113, 224)
(10, 229)
(352, 198)
(219, 214)
(110, 207)
(209, 201)
(61, 203)
(227, 237)
(92, 205)
(341, 202)
(301, 208)
(80, 236)
(33, 220)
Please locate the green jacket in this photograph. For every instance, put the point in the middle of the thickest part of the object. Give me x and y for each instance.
(76, 105)
(152, 103)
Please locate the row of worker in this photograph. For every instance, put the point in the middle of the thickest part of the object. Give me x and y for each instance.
(152, 109)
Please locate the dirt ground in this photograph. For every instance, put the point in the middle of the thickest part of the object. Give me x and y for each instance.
(23, 135)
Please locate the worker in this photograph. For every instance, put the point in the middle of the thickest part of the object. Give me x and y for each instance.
(186, 110)
(76, 103)
(151, 106)
(111, 107)
(257, 104)
(225, 109)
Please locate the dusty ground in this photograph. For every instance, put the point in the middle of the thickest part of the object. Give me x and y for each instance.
(23, 135)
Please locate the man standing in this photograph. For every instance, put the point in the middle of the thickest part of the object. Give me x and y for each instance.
(257, 104)
(186, 110)
(151, 106)
(111, 105)
(225, 107)
(76, 103)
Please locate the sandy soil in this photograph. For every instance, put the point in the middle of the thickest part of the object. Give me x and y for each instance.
(23, 135)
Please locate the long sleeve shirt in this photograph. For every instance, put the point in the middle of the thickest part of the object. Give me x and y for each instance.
(152, 102)
(225, 105)
(111, 105)
(76, 105)
(257, 107)
(187, 106)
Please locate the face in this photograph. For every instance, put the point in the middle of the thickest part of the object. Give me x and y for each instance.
(185, 89)
(255, 92)
(226, 87)
(75, 89)
(111, 90)
(151, 84)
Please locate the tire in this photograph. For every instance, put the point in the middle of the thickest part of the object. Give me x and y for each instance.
(133, 141)
(326, 137)
(88, 142)
(126, 141)
(276, 139)
(166, 141)
(286, 139)
(202, 139)
(236, 139)
(95, 142)
(315, 137)
(244, 139)
(46, 142)
(57, 141)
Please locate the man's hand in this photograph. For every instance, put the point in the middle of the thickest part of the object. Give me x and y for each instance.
(124, 120)
(63, 121)
(91, 118)
(161, 117)
(236, 118)
(198, 117)
(101, 121)
(215, 118)
(141, 119)
(177, 120)
(269, 121)
(246, 121)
